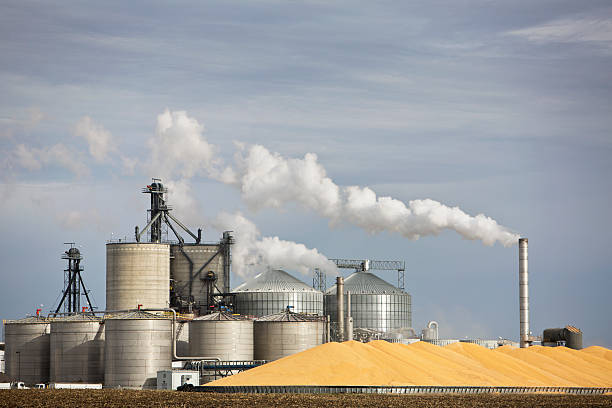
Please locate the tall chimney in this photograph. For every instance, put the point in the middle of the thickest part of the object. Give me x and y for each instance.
(340, 307)
(524, 293)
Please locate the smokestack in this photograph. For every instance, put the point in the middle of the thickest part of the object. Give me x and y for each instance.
(340, 307)
(523, 293)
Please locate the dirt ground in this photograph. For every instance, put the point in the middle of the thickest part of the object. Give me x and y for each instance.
(129, 398)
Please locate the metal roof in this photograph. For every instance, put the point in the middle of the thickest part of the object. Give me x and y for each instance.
(28, 320)
(290, 317)
(366, 283)
(136, 314)
(221, 316)
(274, 280)
(77, 318)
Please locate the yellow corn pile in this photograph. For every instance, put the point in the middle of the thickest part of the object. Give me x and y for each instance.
(421, 363)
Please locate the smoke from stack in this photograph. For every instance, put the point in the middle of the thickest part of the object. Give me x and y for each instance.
(267, 179)
(251, 252)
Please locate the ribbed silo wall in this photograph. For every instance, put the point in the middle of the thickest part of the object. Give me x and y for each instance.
(278, 339)
(137, 274)
(27, 350)
(224, 339)
(265, 303)
(135, 350)
(189, 264)
(77, 351)
(375, 311)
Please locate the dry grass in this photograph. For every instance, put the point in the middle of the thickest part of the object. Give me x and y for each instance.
(129, 398)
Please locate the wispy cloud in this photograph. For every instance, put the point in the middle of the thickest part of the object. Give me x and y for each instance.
(100, 140)
(585, 30)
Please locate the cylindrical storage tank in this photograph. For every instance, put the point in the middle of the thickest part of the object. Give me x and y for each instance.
(77, 349)
(189, 266)
(569, 334)
(222, 335)
(272, 291)
(282, 334)
(27, 348)
(138, 345)
(375, 304)
(573, 338)
(137, 274)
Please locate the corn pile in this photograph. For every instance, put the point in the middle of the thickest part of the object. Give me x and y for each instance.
(421, 363)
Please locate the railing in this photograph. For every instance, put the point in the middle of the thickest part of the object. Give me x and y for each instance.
(413, 389)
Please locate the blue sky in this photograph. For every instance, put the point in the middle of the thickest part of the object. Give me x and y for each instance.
(501, 108)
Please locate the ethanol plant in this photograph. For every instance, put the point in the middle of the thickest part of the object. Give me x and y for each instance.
(169, 307)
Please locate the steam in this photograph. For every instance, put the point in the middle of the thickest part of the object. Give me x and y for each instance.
(178, 149)
(267, 179)
(252, 252)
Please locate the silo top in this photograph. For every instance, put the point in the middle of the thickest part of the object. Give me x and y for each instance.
(366, 283)
(136, 315)
(274, 280)
(291, 317)
(77, 318)
(221, 316)
(28, 320)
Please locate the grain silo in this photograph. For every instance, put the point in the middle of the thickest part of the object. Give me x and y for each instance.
(197, 272)
(137, 274)
(138, 345)
(27, 349)
(77, 349)
(375, 304)
(221, 335)
(273, 291)
(282, 334)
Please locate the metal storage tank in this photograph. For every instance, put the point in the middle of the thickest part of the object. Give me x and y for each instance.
(27, 349)
(189, 268)
(282, 334)
(272, 291)
(138, 345)
(137, 274)
(222, 335)
(375, 304)
(77, 349)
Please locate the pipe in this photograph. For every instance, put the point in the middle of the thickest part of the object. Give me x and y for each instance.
(433, 323)
(340, 307)
(524, 293)
(349, 319)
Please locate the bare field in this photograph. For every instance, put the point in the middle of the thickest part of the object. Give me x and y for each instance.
(129, 398)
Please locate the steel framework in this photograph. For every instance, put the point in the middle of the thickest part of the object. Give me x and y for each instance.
(364, 265)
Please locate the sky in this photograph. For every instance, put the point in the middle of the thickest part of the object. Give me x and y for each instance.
(266, 117)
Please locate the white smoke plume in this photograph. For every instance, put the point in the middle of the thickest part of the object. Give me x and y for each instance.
(267, 179)
(100, 140)
(178, 149)
(251, 252)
